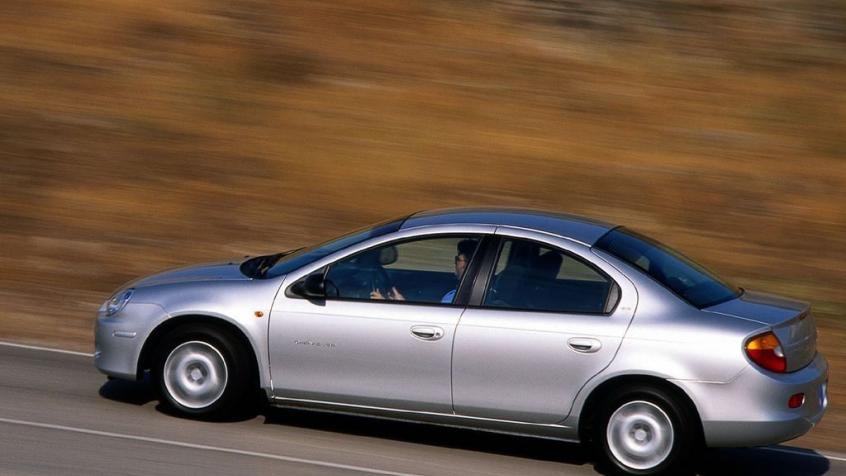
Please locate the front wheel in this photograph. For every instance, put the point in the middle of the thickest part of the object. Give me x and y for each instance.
(202, 372)
(645, 431)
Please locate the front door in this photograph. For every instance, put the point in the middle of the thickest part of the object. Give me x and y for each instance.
(383, 335)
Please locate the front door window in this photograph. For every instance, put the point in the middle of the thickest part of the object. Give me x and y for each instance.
(425, 270)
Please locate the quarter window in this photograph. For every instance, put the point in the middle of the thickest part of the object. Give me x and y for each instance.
(531, 276)
(426, 270)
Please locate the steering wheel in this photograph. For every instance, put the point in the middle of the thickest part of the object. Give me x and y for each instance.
(379, 280)
(357, 282)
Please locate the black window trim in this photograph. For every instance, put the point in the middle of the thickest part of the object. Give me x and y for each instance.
(481, 286)
(461, 294)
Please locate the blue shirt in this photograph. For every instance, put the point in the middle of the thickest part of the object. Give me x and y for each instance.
(448, 297)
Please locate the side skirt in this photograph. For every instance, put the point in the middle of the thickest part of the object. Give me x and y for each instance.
(534, 430)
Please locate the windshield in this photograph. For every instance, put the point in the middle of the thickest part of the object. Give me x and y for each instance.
(690, 281)
(271, 266)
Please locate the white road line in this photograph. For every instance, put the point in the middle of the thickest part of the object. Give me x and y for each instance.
(804, 453)
(290, 459)
(46, 349)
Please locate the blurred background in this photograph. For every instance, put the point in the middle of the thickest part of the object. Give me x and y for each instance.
(141, 135)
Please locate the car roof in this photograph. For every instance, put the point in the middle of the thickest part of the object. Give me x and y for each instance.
(583, 230)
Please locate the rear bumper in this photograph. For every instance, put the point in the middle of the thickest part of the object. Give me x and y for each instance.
(119, 339)
(752, 409)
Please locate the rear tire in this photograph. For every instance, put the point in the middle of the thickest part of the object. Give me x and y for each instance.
(645, 430)
(202, 372)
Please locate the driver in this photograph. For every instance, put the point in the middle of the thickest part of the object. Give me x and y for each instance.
(465, 252)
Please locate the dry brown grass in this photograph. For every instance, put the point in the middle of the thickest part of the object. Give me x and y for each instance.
(140, 135)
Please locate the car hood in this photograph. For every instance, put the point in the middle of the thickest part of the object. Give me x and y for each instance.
(224, 270)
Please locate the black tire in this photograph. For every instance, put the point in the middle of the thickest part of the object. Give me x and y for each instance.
(190, 379)
(638, 445)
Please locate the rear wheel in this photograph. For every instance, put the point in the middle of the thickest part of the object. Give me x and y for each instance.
(645, 431)
(203, 372)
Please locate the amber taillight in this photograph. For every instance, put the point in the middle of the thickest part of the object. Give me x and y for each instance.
(765, 350)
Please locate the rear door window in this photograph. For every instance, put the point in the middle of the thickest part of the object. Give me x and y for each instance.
(534, 277)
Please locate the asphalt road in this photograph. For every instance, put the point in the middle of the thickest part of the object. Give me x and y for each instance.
(58, 415)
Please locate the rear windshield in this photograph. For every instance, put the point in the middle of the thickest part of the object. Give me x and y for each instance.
(271, 266)
(690, 281)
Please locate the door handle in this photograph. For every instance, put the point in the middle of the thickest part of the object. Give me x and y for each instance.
(585, 345)
(427, 332)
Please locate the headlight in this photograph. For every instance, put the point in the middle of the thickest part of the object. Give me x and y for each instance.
(118, 301)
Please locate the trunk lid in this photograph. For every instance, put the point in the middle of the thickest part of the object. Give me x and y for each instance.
(791, 321)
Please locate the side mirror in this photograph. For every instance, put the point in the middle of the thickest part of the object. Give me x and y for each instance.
(312, 287)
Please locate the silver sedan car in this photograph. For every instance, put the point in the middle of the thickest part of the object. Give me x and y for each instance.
(514, 321)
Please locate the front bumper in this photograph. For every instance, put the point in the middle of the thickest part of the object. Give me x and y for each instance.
(119, 339)
(752, 409)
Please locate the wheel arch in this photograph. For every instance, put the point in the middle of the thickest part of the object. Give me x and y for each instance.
(157, 335)
(605, 389)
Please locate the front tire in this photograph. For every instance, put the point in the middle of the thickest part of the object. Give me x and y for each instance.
(202, 372)
(645, 431)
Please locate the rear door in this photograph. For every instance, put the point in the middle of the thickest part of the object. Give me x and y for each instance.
(551, 317)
